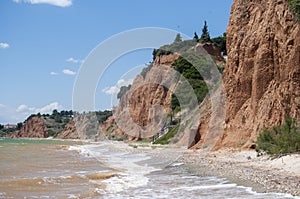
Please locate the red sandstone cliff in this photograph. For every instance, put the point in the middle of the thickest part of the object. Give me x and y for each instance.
(148, 96)
(80, 127)
(261, 81)
(262, 75)
(33, 128)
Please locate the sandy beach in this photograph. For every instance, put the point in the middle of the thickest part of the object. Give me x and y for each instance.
(243, 167)
(263, 174)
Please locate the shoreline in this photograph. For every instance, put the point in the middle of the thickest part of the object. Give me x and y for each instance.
(242, 167)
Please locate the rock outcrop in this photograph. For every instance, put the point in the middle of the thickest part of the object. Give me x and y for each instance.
(82, 126)
(261, 81)
(34, 127)
(262, 75)
(136, 114)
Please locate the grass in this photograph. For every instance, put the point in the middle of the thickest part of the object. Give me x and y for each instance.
(165, 139)
(280, 140)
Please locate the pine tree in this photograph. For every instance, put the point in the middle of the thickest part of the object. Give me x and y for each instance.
(196, 38)
(205, 37)
(178, 38)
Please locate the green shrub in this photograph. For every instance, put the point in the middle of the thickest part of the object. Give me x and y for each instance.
(194, 79)
(295, 7)
(102, 116)
(220, 42)
(165, 139)
(52, 133)
(279, 140)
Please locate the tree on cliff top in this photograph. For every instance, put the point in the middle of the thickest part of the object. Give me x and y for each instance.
(178, 38)
(196, 38)
(205, 37)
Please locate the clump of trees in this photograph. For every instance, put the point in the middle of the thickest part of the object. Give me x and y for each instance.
(205, 37)
(102, 116)
(4, 131)
(280, 140)
(195, 80)
(220, 42)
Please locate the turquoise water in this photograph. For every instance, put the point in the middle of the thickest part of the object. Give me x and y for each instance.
(41, 168)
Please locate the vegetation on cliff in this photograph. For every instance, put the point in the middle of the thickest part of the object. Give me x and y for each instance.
(5, 131)
(295, 7)
(194, 78)
(280, 140)
(165, 139)
(194, 61)
(57, 121)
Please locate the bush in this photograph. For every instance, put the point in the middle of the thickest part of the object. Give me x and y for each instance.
(52, 133)
(220, 42)
(295, 7)
(102, 116)
(194, 79)
(279, 140)
(165, 139)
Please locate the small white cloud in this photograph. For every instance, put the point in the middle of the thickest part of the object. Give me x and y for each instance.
(115, 89)
(68, 72)
(24, 108)
(45, 109)
(54, 73)
(60, 3)
(14, 115)
(21, 108)
(110, 90)
(73, 60)
(4, 45)
(49, 108)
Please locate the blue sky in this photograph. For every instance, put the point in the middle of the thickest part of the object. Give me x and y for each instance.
(43, 43)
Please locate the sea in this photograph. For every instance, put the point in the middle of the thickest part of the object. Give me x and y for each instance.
(48, 168)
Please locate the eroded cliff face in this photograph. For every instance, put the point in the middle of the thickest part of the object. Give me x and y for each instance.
(33, 128)
(147, 97)
(262, 75)
(80, 127)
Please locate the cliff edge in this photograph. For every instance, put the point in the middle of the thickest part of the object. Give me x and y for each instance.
(262, 74)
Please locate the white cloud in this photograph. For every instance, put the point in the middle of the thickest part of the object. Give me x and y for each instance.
(24, 108)
(54, 73)
(14, 115)
(68, 72)
(49, 108)
(60, 3)
(73, 60)
(4, 45)
(45, 109)
(115, 89)
(110, 90)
